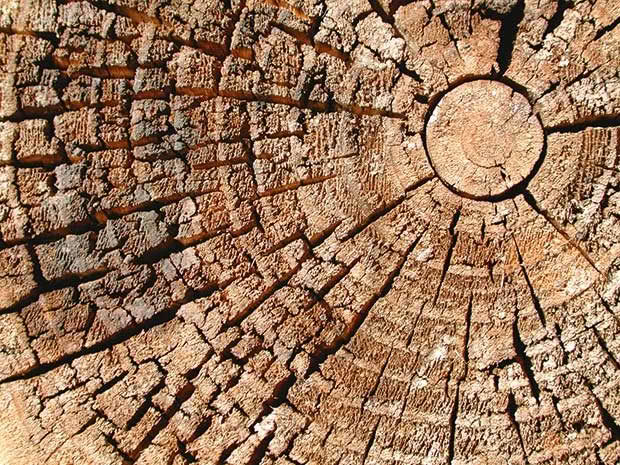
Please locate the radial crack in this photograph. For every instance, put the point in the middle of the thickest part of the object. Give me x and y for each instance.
(581, 124)
(508, 35)
(452, 423)
(511, 410)
(467, 335)
(603, 345)
(384, 15)
(529, 198)
(361, 317)
(535, 299)
(557, 18)
(448, 258)
(380, 213)
(524, 361)
(610, 27)
(370, 442)
(608, 420)
(159, 319)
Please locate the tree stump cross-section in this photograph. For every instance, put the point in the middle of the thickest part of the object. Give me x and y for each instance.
(295, 232)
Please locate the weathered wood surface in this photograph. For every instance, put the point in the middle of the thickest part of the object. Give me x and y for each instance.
(309, 232)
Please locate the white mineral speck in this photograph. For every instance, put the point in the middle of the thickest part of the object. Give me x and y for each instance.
(579, 282)
(439, 353)
(424, 255)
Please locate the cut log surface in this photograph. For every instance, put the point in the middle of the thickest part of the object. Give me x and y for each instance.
(294, 232)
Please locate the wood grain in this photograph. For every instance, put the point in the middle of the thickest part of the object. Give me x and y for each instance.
(309, 232)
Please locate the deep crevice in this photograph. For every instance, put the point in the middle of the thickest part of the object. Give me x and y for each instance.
(507, 33)
(370, 442)
(530, 286)
(608, 420)
(446, 26)
(105, 386)
(384, 15)
(581, 124)
(180, 397)
(126, 459)
(183, 452)
(610, 27)
(121, 336)
(452, 423)
(261, 450)
(361, 317)
(603, 344)
(524, 361)
(557, 18)
(44, 286)
(467, 335)
(511, 411)
(382, 212)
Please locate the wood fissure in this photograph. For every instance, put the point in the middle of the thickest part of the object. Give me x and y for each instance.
(309, 232)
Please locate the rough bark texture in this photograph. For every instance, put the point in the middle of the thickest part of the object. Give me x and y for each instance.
(290, 232)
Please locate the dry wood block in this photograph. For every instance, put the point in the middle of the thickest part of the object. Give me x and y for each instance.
(310, 232)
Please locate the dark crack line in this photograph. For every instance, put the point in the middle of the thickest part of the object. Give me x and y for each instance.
(317, 360)
(605, 167)
(278, 398)
(159, 319)
(554, 402)
(105, 386)
(279, 284)
(296, 185)
(508, 32)
(380, 213)
(530, 286)
(446, 265)
(318, 108)
(511, 411)
(529, 198)
(126, 459)
(556, 19)
(610, 27)
(603, 344)
(378, 380)
(183, 452)
(608, 420)
(385, 289)
(101, 217)
(579, 125)
(260, 452)
(308, 39)
(467, 335)
(71, 280)
(179, 399)
(385, 16)
(607, 306)
(388, 18)
(415, 324)
(446, 26)
(524, 361)
(140, 412)
(88, 424)
(455, 408)
(371, 441)
(558, 335)
(452, 422)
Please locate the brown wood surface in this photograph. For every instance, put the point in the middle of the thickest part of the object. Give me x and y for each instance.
(291, 232)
